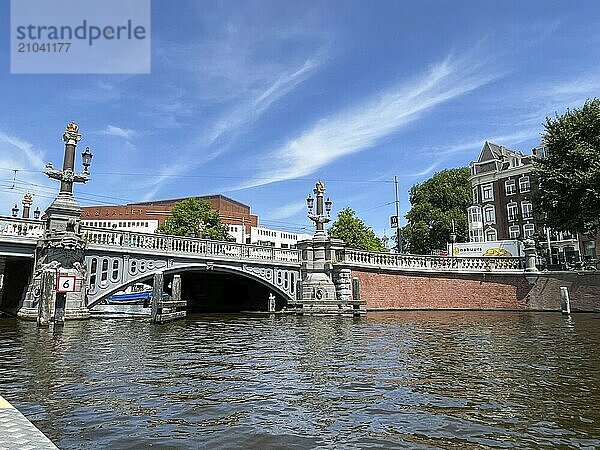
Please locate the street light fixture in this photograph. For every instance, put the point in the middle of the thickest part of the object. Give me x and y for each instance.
(36, 213)
(86, 160)
(319, 218)
(310, 202)
(15, 211)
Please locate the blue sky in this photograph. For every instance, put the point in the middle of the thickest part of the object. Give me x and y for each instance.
(258, 100)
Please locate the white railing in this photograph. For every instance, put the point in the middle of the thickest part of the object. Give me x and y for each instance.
(10, 226)
(365, 259)
(187, 245)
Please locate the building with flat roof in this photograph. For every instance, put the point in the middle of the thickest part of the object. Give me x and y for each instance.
(146, 217)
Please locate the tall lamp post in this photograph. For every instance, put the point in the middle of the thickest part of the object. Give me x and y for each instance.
(320, 219)
(61, 251)
(27, 202)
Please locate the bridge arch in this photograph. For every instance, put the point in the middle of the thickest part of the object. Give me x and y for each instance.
(281, 281)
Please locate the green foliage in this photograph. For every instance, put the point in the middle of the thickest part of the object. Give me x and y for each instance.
(569, 175)
(435, 203)
(354, 232)
(193, 217)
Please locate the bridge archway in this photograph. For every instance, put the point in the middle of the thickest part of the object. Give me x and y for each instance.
(218, 288)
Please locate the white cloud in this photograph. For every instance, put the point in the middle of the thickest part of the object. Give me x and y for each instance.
(361, 126)
(286, 211)
(125, 133)
(32, 158)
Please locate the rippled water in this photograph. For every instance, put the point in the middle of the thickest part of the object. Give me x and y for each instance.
(393, 380)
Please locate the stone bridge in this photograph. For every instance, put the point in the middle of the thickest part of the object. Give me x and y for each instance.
(116, 259)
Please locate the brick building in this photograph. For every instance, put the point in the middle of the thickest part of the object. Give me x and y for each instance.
(146, 217)
(502, 184)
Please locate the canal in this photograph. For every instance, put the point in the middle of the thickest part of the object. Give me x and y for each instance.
(390, 380)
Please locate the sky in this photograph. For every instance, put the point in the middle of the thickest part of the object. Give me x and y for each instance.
(257, 100)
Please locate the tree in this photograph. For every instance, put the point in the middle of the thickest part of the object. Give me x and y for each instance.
(435, 203)
(354, 232)
(569, 175)
(193, 217)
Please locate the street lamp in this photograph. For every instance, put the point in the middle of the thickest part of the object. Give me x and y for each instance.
(15, 211)
(67, 175)
(36, 213)
(309, 202)
(328, 206)
(320, 219)
(86, 160)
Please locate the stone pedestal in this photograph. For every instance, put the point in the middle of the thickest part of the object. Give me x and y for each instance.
(323, 290)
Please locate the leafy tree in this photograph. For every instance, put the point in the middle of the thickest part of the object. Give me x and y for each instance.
(354, 232)
(569, 175)
(193, 217)
(435, 204)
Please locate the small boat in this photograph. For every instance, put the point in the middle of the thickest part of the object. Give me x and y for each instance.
(134, 295)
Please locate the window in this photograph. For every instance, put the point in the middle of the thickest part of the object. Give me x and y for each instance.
(528, 230)
(475, 196)
(476, 235)
(489, 214)
(589, 249)
(513, 211)
(491, 234)
(514, 232)
(527, 210)
(487, 192)
(524, 184)
(510, 187)
(474, 215)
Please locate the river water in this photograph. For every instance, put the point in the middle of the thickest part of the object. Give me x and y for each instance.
(391, 380)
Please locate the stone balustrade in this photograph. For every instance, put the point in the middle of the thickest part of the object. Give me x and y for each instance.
(188, 245)
(358, 258)
(10, 226)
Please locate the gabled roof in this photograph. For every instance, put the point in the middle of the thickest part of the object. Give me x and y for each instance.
(491, 151)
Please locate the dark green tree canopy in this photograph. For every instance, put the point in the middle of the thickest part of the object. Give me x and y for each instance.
(354, 232)
(193, 217)
(569, 174)
(435, 203)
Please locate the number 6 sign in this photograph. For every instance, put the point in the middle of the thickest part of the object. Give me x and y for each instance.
(65, 283)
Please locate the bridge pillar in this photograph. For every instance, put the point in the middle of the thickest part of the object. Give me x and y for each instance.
(323, 289)
(61, 249)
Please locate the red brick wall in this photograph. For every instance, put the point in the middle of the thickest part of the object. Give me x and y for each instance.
(445, 291)
(406, 290)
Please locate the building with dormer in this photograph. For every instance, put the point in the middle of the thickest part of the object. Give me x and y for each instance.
(502, 187)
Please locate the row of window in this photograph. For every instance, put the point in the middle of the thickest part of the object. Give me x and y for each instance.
(114, 224)
(489, 212)
(510, 187)
(491, 234)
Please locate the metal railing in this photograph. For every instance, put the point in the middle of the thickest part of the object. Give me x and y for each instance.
(187, 245)
(12, 226)
(365, 259)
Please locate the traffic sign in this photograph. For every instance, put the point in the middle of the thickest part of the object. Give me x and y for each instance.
(65, 283)
(394, 221)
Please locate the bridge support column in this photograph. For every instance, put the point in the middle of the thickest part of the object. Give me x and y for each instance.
(61, 249)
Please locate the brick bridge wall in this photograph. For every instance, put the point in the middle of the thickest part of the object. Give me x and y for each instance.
(481, 291)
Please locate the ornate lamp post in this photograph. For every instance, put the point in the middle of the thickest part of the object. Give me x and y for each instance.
(15, 211)
(60, 253)
(36, 213)
(27, 202)
(67, 176)
(320, 219)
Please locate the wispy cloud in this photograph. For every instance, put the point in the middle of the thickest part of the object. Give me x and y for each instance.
(286, 211)
(364, 124)
(30, 157)
(125, 133)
